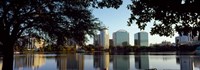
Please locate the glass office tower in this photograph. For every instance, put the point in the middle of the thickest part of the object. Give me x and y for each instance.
(121, 38)
(141, 39)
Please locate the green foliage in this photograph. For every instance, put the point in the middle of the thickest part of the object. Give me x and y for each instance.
(168, 15)
(54, 20)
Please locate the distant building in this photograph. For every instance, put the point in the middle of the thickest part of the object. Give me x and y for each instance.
(96, 40)
(121, 38)
(182, 40)
(187, 39)
(111, 42)
(141, 39)
(31, 43)
(164, 43)
(102, 39)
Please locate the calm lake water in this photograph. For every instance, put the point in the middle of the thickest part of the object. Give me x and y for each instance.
(104, 61)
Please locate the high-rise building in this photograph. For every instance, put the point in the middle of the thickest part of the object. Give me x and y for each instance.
(141, 39)
(102, 39)
(96, 40)
(121, 38)
(188, 39)
(110, 42)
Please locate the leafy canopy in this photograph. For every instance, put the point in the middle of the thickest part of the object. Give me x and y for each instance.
(168, 16)
(54, 20)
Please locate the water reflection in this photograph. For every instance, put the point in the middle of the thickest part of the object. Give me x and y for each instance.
(1, 63)
(186, 62)
(29, 61)
(104, 61)
(197, 62)
(142, 61)
(121, 62)
(70, 61)
(101, 61)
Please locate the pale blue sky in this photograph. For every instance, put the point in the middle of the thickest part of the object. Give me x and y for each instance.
(116, 19)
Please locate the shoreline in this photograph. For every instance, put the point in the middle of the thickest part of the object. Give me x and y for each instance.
(116, 53)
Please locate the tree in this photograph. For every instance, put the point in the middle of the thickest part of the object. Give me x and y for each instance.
(52, 20)
(168, 16)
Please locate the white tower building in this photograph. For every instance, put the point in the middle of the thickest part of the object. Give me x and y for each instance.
(104, 38)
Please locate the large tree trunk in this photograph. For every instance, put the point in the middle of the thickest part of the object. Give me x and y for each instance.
(8, 56)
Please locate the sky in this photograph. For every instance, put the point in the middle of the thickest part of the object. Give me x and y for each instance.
(116, 19)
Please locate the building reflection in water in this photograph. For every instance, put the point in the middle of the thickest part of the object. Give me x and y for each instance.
(30, 61)
(197, 62)
(142, 61)
(70, 61)
(101, 61)
(1, 63)
(121, 62)
(186, 62)
(189, 62)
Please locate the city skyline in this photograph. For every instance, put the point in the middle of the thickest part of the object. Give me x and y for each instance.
(116, 19)
(99, 35)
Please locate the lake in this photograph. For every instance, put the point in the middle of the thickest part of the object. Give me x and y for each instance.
(105, 61)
